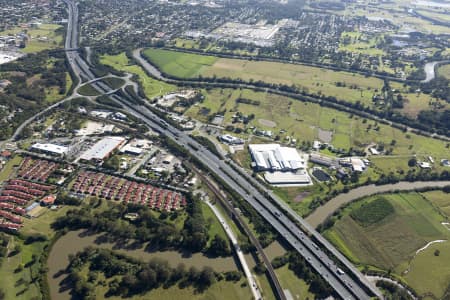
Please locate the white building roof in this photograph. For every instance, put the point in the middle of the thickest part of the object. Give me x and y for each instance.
(275, 157)
(287, 178)
(51, 148)
(103, 148)
(131, 149)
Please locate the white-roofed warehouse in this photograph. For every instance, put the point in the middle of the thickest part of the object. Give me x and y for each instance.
(273, 157)
(103, 148)
(50, 149)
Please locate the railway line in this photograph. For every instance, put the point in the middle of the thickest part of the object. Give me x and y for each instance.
(346, 286)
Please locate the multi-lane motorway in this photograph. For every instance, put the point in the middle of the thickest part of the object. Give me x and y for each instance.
(346, 286)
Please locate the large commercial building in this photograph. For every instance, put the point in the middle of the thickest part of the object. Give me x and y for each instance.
(51, 149)
(103, 148)
(273, 157)
(284, 166)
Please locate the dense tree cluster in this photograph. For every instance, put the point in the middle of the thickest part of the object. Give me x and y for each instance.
(30, 78)
(160, 231)
(132, 277)
(394, 292)
(302, 269)
(195, 231)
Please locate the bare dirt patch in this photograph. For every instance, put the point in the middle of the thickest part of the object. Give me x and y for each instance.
(267, 123)
(325, 135)
(227, 65)
(301, 196)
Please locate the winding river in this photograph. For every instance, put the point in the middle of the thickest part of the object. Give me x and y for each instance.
(429, 71)
(321, 213)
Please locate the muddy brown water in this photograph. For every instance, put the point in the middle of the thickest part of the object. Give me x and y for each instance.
(75, 241)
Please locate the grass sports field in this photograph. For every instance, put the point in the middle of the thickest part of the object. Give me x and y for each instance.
(152, 87)
(387, 232)
(352, 87)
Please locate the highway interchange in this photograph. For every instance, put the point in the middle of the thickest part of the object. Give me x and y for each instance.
(346, 286)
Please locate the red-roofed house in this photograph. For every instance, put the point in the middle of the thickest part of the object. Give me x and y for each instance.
(48, 200)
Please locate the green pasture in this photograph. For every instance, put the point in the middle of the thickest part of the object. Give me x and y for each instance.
(183, 65)
(444, 71)
(88, 90)
(313, 79)
(390, 238)
(152, 88)
(302, 120)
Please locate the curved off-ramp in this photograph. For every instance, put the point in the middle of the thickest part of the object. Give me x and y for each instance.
(326, 210)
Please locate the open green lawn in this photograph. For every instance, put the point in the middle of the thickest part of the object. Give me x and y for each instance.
(391, 242)
(313, 79)
(440, 200)
(222, 290)
(431, 273)
(88, 90)
(114, 82)
(297, 287)
(215, 227)
(152, 88)
(8, 168)
(183, 65)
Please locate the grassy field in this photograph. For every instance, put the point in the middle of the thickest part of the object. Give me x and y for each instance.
(8, 168)
(442, 17)
(297, 287)
(152, 88)
(315, 80)
(391, 241)
(444, 71)
(88, 90)
(114, 82)
(222, 290)
(373, 212)
(183, 65)
(359, 43)
(354, 87)
(215, 227)
(430, 273)
(42, 38)
(440, 200)
(52, 93)
(302, 121)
